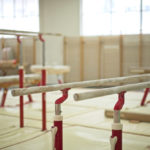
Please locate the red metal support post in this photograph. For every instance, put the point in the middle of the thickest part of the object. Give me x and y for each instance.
(30, 98)
(43, 83)
(145, 96)
(116, 138)
(58, 121)
(43, 101)
(21, 79)
(4, 97)
(21, 82)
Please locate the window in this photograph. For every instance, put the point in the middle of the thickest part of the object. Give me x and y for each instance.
(19, 15)
(105, 17)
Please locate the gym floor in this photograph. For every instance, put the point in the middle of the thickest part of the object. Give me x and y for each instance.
(85, 125)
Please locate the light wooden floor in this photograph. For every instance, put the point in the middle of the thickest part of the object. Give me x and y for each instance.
(85, 126)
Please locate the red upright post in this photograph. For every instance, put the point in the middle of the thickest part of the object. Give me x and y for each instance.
(58, 122)
(30, 98)
(4, 97)
(116, 138)
(21, 82)
(43, 101)
(144, 97)
(43, 72)
(21, 79)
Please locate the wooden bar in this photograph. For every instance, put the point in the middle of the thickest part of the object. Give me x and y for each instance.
(2, 42)
(6, 64)
(7, 81)
(65, 51)
(129, 115)
(140, 50)
(56, 69)
(26, 33)
(34, 50)
(81, 59)
(20, 34)
(141, 36)
(65, 54)
(102, 82)
(99, 58)
(121, 55)
(18, 52)
(110, 91)
(140, 70)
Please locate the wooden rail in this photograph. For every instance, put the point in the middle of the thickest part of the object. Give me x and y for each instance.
(111, 90)
(26, 33)
(7, 81)
(102, 82)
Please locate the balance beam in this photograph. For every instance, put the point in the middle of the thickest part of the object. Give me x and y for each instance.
(29, 79)
(129, 115)
(111, 90)
(57, 69)
(102, 82)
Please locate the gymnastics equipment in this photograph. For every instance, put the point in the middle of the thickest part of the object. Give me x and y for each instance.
(26, 33)
(128, 115)
(95, 83)
(21, 69)
(140, 70)
(111, 90)
(116, 138)
(56, 69)
(13, 80)
(57, 128)
(44, 69)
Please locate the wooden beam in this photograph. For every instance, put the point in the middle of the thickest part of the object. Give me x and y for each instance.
(34, 50)
(81, 59)
(29, 79)
(65, 54)
(102, 82)
(110, 91)
(99, 58)
(121, 55)
(18, 52)
(2, 42)
(141, 36)
(26, 33)
(129, 115)
(56, 69)
(140, 50)
(65, 51)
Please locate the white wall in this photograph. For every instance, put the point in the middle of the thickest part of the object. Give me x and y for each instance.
(61, 16)
(57, 16)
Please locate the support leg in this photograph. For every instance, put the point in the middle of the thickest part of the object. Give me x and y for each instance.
(144, 96)
(4, 97)
(21, 79)
(116, 138)
(43, 101)
(30, 98)
(59, 79)
(59, 134)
